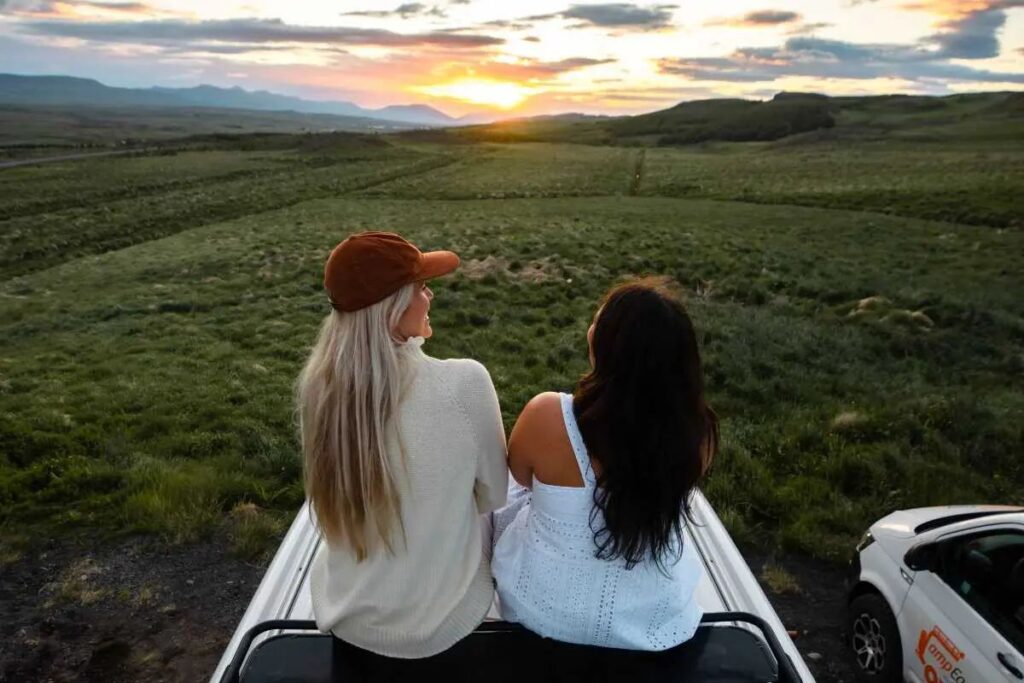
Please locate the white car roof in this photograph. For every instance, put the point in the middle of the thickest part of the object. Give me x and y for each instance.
(906, 523)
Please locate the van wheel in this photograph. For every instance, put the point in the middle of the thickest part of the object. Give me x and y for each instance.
(874, 640)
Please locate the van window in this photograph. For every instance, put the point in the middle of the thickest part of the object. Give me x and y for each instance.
(987, 571)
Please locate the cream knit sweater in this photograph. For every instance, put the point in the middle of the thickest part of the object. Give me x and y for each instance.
(437, 587)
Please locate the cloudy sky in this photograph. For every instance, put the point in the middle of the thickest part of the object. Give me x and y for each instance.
(526, 56)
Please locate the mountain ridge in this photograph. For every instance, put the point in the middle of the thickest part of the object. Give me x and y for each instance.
(57, 90)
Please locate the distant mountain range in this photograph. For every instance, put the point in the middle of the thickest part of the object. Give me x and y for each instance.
(70, 91)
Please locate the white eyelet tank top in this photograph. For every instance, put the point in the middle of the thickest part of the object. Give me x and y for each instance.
(549, 581)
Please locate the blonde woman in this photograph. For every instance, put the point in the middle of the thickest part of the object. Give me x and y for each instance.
(403, 454)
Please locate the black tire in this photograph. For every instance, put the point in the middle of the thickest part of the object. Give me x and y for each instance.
(874, 640)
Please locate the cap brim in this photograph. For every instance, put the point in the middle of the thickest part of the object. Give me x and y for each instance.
(437, 263)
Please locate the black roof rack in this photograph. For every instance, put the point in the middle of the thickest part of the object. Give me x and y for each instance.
(715, 653)
(939, 522)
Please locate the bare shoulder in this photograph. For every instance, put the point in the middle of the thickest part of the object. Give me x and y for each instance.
(541, 419)
(539, 440)
(542, 408)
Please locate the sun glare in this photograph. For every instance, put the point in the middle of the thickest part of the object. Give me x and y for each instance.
(502, 94)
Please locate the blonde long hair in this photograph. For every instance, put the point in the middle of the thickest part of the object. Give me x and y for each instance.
(345, 396)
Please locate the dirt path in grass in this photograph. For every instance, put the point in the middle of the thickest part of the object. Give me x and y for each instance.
(638, 173)
(138, 610)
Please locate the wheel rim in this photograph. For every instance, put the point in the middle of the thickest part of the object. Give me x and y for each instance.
(869, 644)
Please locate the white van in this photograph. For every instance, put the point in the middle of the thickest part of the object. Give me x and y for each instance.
(937, 594)
(740, 640)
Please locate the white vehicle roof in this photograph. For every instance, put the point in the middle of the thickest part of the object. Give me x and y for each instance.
(726, 586)
(908, 523)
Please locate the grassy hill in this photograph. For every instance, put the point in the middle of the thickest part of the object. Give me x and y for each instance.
(34, 130)
(788, 118)
(997, 115)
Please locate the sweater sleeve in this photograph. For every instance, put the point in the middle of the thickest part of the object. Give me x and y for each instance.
(480, 402)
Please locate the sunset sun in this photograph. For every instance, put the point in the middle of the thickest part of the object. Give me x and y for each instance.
(502, 94)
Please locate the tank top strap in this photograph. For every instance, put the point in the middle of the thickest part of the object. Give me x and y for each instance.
(576, 439)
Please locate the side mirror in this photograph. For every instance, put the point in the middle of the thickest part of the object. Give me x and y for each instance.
(920, 557)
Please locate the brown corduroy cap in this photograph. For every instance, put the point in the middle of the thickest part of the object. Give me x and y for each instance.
(368, 267)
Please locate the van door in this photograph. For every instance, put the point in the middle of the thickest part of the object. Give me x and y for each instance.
(965, 610)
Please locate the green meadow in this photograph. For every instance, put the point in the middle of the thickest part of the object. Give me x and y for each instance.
(860, 306)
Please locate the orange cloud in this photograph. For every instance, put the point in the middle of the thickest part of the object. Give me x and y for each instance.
(957, 8)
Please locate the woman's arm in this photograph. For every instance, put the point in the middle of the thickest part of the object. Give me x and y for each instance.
(490, 487)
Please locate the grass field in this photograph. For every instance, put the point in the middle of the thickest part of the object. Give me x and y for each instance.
(156, 311)
(57, 215)
(34, 130)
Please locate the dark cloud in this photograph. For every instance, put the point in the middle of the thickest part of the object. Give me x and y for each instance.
(970, 34)
(542, 17)
(375, 14)
(222, 48)
(410, 8)
(510, 24)
(810, 28)
(820, 58)
(15, 6)
(132, 7)
(974, 36)
(771, 16)
(622, 15)
(572, 64)
(535, 39)
(404, 11)
(413, 9)
(614, 15)
(765, 17)
(254, 31)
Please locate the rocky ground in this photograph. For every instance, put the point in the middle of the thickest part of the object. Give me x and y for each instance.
(134, 610)
(808, 596)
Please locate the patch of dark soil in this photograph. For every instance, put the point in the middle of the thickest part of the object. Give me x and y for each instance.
(108, 661)
(809, 597)
(132, 610)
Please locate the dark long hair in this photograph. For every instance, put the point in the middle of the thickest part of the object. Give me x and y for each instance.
(644, 420)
